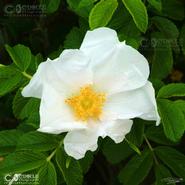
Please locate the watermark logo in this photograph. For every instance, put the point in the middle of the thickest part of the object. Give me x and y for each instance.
(28, 179)
(172, 180)
(9, 177)
(161, 44)
(25, 10)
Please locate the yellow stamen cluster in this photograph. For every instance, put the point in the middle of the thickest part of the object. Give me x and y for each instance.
(87, 104)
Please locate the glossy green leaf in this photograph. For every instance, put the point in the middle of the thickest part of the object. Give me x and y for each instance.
(118, 20)
(157, 4)
(115, 153)
(182, 39)
(130, 33)
(21, 161)
(133, 146)
(52, 5)
(138, 12)
(25, 107)
(21, 56)
(157, 83)
(86, 162)
(37, 141)
(163, 175)
(73, 174)
(172, 119)
(136, 169)
(10, 79)
(8, 140)
(74, 38)
(170, 7)
(136, 134)
(173, 159)
(102, 13)
(162, 62)
(35, 61)
(81, 7)
(47, 174)
(181, 105)
(167, 27)
(172, 90)
(156, 134)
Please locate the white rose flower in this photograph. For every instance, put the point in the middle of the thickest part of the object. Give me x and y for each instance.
(93, 92)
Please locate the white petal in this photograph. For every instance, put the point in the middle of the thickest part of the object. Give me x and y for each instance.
(153, 114)
(56, 128)
(77, 143)
(117, 67)
(123, 69)
(66, 74)
(55, 114)
(35, 86)
(98, 42)
(136, 103)
(118, 129)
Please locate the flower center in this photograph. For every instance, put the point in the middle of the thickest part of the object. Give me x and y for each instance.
(87, 103)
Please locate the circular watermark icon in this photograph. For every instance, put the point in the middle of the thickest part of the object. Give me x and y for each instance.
(28, 179)
(10, 177)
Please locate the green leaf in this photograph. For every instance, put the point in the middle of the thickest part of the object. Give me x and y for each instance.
(181, 105)
(116, 152)
(157, 83)
(35, 61)
(47, 174)
(130, 33)
(74, 38)
(10, 79)
(21, 56)
(167, 27)
(162, 175)
(157, 4)
(163, 59)
(37, 141)
(52, 5)
(169, 31)
(136, 134)
(26, 127)
(81, 7)
(170, 7)
(136, 169)
(172, 119)
(86, 162)
(156, 134)
(21, 161)
(25, 107)
(133, 146)
(118, 19)
(102, 13)
(138, 12)
(55, 54)
(173, 159)
(182, 39)
(8, 140)
(73, 175)
(127, 29)
(172, 90)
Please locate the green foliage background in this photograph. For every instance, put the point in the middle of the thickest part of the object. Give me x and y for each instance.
(150, 154)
